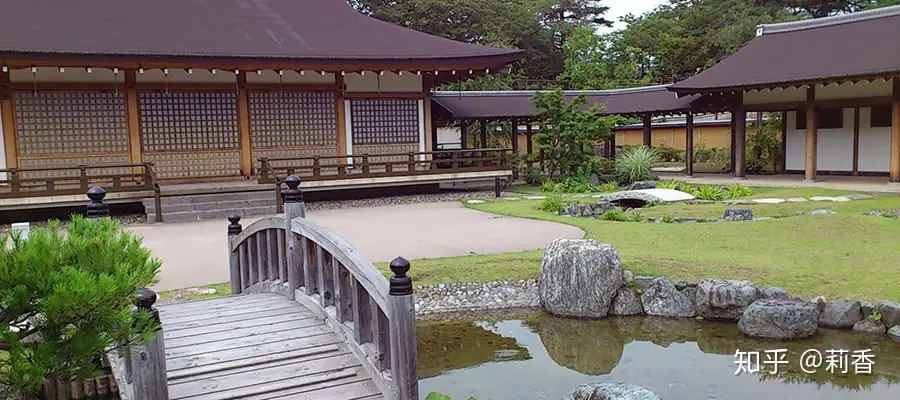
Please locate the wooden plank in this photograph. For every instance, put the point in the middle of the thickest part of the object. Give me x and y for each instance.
(381, 337)
(341, 121)
(310, 274)
(203, 306)
(226, 313)
(287, 394)
(261, 381)
(10, 139)
(272, 349)
(213, 328)
(202, 337)
(272, 255)
(404, 356)
(287, 312)
(243, 106)
(282, 260)
(320, 276)
(344, 391)
(229, 367)
(362, 326)
(342, 300)
(248, 342)
(245, 265)
(262, 270)
(251, 261)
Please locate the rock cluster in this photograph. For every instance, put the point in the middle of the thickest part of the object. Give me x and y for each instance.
(780, 319)
(610, 391)
(588, 210)
(453, 297)
(738, 214)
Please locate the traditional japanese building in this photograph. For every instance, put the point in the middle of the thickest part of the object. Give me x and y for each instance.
(204, 89)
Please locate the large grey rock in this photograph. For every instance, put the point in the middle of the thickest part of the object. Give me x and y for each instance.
(594, 179)
(579, 278)
(870, 325)
(780, 319)
(661, 299)
(625, 303)
(890, 312)
(610, 391)
(894, 333)
(841, 314)
(642, 185)
(725, 300)
(867, 307)
(738, 214)
(774, 292)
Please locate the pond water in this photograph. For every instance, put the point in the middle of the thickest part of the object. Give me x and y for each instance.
(543, 357)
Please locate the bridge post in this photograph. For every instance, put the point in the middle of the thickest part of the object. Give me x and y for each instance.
(234, 257)
(148, 360)
(294, 207)
(97, 208)
(401, 304)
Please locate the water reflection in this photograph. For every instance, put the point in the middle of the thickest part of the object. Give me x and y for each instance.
(677, 359)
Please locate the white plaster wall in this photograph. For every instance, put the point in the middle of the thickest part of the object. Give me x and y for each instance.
(778, 95)
(389, 82)
(834, 149)
(181, 76)
(48, 74)
(795, 145)
(449, 138)
(850, 90)
(270, 76)
(874, 144)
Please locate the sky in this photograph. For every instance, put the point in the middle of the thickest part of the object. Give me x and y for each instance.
(620, 8)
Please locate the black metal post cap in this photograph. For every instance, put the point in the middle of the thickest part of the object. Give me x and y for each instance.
(234, 227)
(400, 283)
(97, 208)
(146, 298)
(96, 193)
(293, 194)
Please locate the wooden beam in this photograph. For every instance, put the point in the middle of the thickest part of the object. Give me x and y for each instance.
(648, 131)
(895, 134)
(171, 86)
(689, 144)
(132, 114)
(243, 105)
(430, 131)
(732, 145)
(855, 141)
(612, 145)
(463, 133)
(7, 112)
(484, 133)
(740, 143)
(514, 123)
(341, 120)
(529, 146)
(811, 135)
(825, 103)
(385, 95)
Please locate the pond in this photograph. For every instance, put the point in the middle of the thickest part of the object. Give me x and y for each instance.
(538, 356)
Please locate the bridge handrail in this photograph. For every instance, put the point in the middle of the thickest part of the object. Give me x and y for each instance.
(293, 256)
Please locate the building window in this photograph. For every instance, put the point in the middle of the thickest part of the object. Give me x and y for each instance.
(881, 116)
(826, 118)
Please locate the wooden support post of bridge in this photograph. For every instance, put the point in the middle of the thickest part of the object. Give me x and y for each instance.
(148, 360)
(294, 207)
(234, 260)
(404, 363)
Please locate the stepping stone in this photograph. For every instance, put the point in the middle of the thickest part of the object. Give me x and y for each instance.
(475, 201)
(511, 198)
(797, 200)
(738, 202)
(858, 196)
(768, 201)
(647, 195)
(839, 199)
(821, 212)
(535, 197)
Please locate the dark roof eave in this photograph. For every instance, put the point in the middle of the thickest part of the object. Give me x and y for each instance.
(689, 90)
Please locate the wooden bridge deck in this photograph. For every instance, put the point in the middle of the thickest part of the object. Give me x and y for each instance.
(259, 346)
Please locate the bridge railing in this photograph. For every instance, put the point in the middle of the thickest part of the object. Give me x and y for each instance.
(293, 256)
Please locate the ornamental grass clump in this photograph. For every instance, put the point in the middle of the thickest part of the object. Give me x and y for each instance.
(68, 297)
(636, 165)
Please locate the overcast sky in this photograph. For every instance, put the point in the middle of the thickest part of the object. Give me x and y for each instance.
(620, 8)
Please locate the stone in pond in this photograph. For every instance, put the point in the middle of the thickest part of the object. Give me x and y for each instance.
(475, 201)
(870, 325)
(579, 278)
(610, 391)
(661, 299)
(894, 333)
(625, 303)
(841, 314)
(780, 319)
(867, 307)
(642, 185)
(890, 312)
(725, 300)
(774, 292)
(821, 212)
(738, 214)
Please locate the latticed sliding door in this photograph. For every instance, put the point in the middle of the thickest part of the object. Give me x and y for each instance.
(293, 124)
(191, 134)
(385, 126)
(61, 129)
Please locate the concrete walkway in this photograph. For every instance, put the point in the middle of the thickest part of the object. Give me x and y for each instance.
(194, 253)
(861, 183)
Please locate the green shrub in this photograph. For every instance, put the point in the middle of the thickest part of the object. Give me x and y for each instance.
(668, 219)
(636, 165)
(579, 182)
(709, 192)
(548, 186)
(613, 215)
(70, 295)
(637, 217)
(717, 155)
(667, 184)
(554, 203)
(604, 166)
(738, 191)
(688, 188)
(608, 187)
(668, 154)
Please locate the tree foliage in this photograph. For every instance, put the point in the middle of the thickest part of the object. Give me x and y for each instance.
(65, 297)
(569, 131)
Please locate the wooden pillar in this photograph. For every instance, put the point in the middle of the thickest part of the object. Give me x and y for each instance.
(895, 134)
(740, 142)
(402, 311)
(341, 119)
(689, 144)
(612, 145)
(7, 112)
(855, 141)
(811, 134)
(464, 133)
(132, 114)
(243, 105)
(529, 146)
(648, 131)
(515, 136)
(484, 134)
(430, 131)
(784, 129)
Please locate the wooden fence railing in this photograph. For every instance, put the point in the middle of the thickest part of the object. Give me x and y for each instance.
(290, 255)
(55, 181)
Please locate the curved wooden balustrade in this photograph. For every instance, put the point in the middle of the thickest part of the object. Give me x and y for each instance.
(292, 256)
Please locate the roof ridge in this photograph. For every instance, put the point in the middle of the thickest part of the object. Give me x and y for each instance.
(501, 93)
(828, 21)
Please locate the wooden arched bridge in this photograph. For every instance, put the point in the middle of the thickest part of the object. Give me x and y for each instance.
(309, 318)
